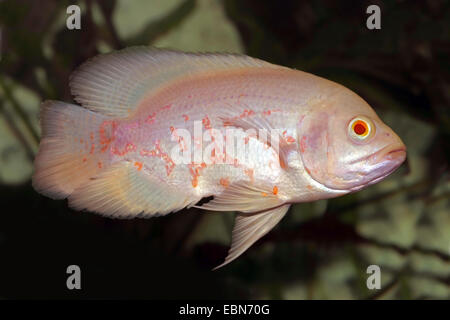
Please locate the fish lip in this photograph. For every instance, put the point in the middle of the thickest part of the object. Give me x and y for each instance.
(396, 152)
(392, 153)
(395, 157)
(392, 158)
(403, 148)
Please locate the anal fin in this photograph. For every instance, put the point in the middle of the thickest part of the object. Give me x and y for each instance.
(124, 191)
(248, 228)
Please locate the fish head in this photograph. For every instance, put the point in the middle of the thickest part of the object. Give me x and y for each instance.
(345, 146)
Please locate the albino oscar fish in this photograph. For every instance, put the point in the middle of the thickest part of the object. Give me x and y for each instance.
(151, 135)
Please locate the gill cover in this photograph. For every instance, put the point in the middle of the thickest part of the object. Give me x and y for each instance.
(314, 146)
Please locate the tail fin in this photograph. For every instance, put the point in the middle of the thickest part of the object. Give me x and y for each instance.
(70, 151)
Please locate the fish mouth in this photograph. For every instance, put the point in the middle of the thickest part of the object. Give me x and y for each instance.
(383, 163)
(386, 162)
(397, 154)
(388, 153)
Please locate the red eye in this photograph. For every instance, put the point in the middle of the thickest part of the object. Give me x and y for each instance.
(359, 128)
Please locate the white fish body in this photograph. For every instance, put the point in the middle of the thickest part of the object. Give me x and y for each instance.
(116, 154)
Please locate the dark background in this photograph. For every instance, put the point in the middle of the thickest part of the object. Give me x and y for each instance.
(319, 250)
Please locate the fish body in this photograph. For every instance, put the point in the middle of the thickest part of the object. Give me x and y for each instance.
(159, 130)
(200, 100)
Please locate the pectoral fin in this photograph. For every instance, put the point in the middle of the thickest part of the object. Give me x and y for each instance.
(272, 137)
(244, 197)
(249, 227)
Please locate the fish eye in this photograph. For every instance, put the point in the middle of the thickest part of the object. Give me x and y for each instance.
(361, 128)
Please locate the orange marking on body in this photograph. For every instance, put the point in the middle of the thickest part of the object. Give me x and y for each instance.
(151, 153)
(206, 122)
(275, 190)
(268, 112)
(186, 117)
(170, 165)
(105, 138)
(246, 113)
(138, 165)
(264, 194)
(282, 163)
(303, 144)
(158, 152)
(130, 147)
(225, 182)
(195, 170)
(290, 139)
(310, 187)
(181, 142)
(227, 123)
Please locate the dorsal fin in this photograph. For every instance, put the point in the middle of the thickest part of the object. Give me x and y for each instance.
(114, 84)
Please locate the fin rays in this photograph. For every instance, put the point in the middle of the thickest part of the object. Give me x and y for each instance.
(114, 84)
(248, 228)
